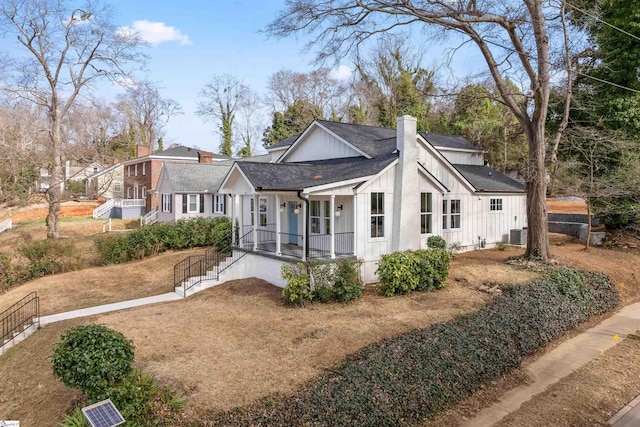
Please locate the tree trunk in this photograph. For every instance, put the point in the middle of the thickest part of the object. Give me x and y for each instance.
(537, 235)
(54, 192)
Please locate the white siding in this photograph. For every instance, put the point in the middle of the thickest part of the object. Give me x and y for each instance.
(320, 145)
(237, 184)
(463, 157)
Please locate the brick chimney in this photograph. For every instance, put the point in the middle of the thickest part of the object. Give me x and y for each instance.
(205, 157)
(142, 150)
(406, 197)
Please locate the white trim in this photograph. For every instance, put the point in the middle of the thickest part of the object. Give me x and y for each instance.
(435, 181)
(329, 186)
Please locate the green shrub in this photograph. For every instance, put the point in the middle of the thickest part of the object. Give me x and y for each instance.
(8, 274)
(405, 379)
(92, 358)
(322, 282)
(133, 397)
(160, 237)
(436, 242)
(298, 289)
(423, 270)
(48, 257)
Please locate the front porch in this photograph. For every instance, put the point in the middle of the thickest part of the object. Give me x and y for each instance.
(281, 225)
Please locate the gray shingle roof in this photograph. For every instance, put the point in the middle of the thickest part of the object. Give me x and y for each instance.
(374, 141)
(483, 178)
(448, 141)
(296, 176)
(285, 142)
(183, 151)
(195, 177)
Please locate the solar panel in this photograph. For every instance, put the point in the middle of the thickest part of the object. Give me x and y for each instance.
(103, 414)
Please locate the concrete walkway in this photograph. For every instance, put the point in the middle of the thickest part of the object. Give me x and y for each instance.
(90, 311)
(563, 360)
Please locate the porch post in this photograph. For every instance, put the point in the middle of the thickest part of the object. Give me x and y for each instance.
(230, 202)
(278, 225)
(256, 216)
(355, 223)
(304, 232)
(332, 225)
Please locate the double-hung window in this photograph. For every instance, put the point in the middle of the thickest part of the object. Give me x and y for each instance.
(315, 216)
(166, 203)
(117, 186)
(426, 212)
(495, 205)
(445, 214)
(263, 212)
(252, 209)
(455, 213)
(144, 192)
(218, 203)
(192, 203)
(327, 217)
(377, 215)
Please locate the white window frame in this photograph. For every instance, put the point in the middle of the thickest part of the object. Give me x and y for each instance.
(128, 192)
(314, 216)
(218, 203)
(377, 214)
(263, 207)
(144, 169)
(252, 210)
(195, 197)
(445, 214)
(129, 170)
(166, 202)
(136, 169)
(455, 213)
(426, 213)
(327, 217)
(144, 192)
(495, 205)
(117, 187)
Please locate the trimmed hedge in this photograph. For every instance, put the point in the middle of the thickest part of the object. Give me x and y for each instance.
(419, 374)
(160, 237)
(404, 272)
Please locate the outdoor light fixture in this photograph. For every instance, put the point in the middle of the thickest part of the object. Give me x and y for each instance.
(297, 208)
(282, 206)
(339, 211)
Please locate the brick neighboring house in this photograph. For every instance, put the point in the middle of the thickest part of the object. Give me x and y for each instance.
(142, 173)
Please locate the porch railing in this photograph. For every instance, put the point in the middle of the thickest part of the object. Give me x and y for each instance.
(127, 203)
(103, 209)
(149, 218)
(5, 225)
(20, 316)
(320, 244)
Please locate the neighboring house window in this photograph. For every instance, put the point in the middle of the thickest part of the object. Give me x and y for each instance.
(129, 170)
(327, 217)
(218, 203)
(128, 192)
(193, 203)
(135, 192)
(252, 209)
(144, 192)
(166, 203)
(314, 214)
(495, 205)
(426, 212)
(144, 169)
(445, 212)
(263, 212)
(455, 213)
(95, 169)
(377, 214)
(136, 169)
(117, 187)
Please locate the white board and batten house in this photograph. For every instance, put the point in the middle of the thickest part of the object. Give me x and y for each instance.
(340, 189)
(189, 190)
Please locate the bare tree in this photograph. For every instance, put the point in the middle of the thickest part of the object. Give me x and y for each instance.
(249, 123)
(148, 111)
(513, 37)
(220, 100)
(65, 49)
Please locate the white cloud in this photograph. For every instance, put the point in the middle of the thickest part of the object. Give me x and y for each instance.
(155, 33)
(342, 72)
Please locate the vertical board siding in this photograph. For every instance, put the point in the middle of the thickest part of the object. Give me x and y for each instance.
(463, 158)
(320, 145)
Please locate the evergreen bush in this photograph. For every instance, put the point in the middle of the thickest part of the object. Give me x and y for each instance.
(312, 281)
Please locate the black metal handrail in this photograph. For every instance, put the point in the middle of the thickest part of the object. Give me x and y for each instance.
(210, 265)
(19, 316)
(320, 244)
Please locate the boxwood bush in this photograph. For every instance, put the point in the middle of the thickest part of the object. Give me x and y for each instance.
(160, 237)
(315, 282)
(423, 270)
(419, 374)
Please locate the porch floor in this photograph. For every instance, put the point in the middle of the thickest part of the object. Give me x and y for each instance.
(290, 251)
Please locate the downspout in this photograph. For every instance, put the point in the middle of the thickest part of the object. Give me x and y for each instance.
(306, 230)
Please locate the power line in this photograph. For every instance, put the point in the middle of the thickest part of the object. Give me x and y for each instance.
(603, 21)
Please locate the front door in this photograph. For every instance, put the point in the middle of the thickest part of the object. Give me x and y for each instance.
(293, 223)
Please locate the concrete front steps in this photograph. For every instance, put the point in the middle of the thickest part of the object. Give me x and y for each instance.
(19, 336)
(202, 282)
